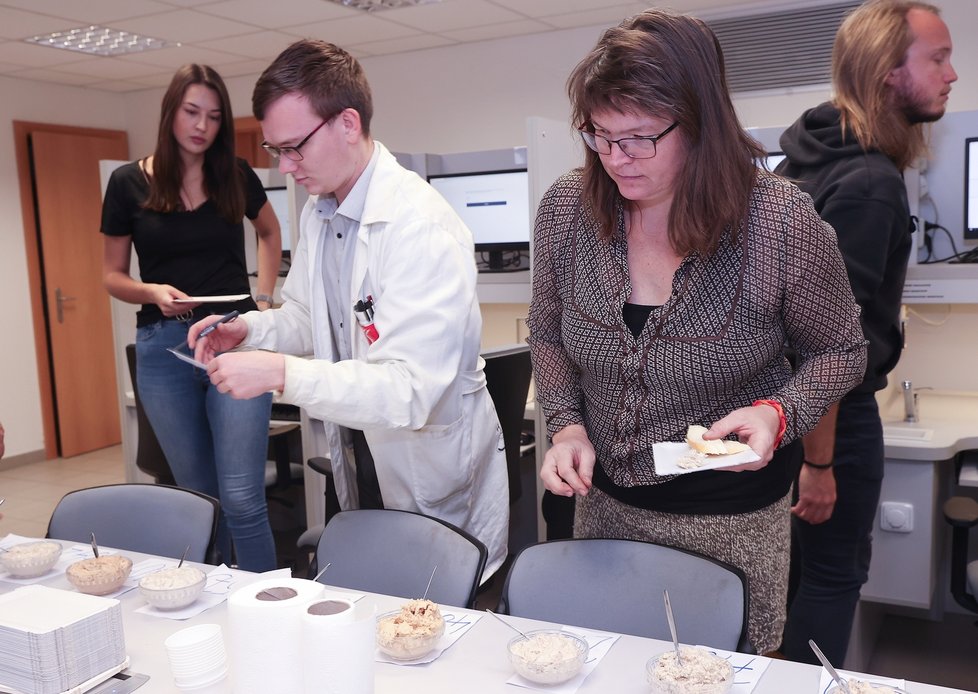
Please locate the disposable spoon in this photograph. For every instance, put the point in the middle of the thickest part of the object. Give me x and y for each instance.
(323, 571)
(507, 624)
(423, 597)
(183, 557)
(94, 546)
(843, 685)
(672, 627)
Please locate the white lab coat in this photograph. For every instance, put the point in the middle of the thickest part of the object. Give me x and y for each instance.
(419, 392)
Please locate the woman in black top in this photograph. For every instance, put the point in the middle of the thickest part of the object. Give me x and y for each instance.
(182, 210)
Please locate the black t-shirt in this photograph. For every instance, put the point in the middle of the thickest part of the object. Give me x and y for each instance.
(198, 252)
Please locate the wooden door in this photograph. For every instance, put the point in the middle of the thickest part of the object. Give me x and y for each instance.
(77, 310)
(247, 143)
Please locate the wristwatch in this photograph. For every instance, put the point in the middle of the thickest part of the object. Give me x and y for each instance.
(263, 297)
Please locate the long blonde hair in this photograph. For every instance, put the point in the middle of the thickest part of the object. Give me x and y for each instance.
(872, 41)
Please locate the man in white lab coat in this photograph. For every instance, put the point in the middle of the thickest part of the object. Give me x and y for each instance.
(382, 292)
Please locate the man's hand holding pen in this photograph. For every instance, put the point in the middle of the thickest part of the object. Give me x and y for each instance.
(241, 374)
(210, 336)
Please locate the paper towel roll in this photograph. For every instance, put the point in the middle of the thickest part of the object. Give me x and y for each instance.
(338, 648)
(265, 630)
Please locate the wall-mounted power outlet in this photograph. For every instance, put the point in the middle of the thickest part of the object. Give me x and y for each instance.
(896, 517)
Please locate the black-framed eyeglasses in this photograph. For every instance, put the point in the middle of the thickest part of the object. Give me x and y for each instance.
(293, 152)
(638, 147)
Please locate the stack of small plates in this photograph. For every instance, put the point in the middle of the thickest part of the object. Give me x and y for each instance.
(54, 640)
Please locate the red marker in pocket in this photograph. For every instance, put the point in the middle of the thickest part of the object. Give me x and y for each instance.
(364, 311)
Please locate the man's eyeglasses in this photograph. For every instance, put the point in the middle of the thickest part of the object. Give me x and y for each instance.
(639, 147)
(293, 152)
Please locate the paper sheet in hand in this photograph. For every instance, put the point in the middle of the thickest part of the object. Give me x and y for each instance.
(223, 298)
(186, 357)
(668, 455)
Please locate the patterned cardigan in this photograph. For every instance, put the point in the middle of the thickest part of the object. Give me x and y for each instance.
(716, 345)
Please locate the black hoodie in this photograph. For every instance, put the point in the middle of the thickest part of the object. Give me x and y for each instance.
(863, 196)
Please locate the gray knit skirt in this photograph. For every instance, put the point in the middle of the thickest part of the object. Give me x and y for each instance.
(757, 543)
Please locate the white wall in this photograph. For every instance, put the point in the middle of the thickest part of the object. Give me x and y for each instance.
(443, 100)
(20, 404)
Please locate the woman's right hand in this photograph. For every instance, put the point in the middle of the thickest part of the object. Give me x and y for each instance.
(165, 297)
(569, 464)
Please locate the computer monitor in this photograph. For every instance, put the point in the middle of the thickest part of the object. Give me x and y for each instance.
(971, 188)
(278, 196)
(495, 206)
(771, 161)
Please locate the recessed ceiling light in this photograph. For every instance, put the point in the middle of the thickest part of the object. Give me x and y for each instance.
(378, 5)
(96, 40)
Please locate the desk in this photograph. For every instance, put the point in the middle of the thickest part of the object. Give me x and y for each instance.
(476, 664)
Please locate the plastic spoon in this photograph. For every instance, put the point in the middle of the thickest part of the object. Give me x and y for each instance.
(183, 557)
(94, 546)
(507, 624)
(672, 627)
(323, 571)
(423, 597)
(843, 685)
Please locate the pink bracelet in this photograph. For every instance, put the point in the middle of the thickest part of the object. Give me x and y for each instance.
(783, 424)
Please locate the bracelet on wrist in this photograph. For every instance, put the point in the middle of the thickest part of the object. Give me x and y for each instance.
(817, 466)
(782, 420)
(263, 297)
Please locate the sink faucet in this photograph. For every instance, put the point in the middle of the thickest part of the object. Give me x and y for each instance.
(909, 402)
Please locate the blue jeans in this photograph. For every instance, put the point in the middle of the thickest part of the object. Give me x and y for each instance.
(214, 444)
(833, 557)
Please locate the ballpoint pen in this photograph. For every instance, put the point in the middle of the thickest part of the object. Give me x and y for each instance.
(364, 312)
(213, 326)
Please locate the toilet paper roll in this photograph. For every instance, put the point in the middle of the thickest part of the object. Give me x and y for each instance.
(265, 630)
(338, 642)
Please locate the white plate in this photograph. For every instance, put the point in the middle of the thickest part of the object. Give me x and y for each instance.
(211, 299)
(667, 455)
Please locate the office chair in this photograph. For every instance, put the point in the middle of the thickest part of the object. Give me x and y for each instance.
(616, 585)
(395, 552)
(150, 518)
(149, 456)
(508, 372)
(962, 513)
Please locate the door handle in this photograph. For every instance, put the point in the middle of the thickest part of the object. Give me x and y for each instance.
(59, 300)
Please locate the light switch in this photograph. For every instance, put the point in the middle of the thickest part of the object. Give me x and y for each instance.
(896, 516)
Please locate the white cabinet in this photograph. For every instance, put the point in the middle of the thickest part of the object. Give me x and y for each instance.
(904, 565)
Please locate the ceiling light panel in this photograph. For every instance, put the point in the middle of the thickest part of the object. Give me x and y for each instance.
(98, 40)
(378, 5)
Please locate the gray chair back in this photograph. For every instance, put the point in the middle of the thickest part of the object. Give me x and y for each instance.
(394, 552)
(150, 518)
(616, 585)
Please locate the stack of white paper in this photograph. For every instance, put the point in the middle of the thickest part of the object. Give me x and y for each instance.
(53, 640)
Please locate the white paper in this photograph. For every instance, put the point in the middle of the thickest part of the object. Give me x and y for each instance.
(598, 644)
(747, 668)
(825, 682)
(668, 453)
(186, 357)
(456, 624)
(224, 298)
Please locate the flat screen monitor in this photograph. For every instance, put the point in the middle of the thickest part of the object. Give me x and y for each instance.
(495, 206)
(279, 199)
(771, 161)
(971, 188)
